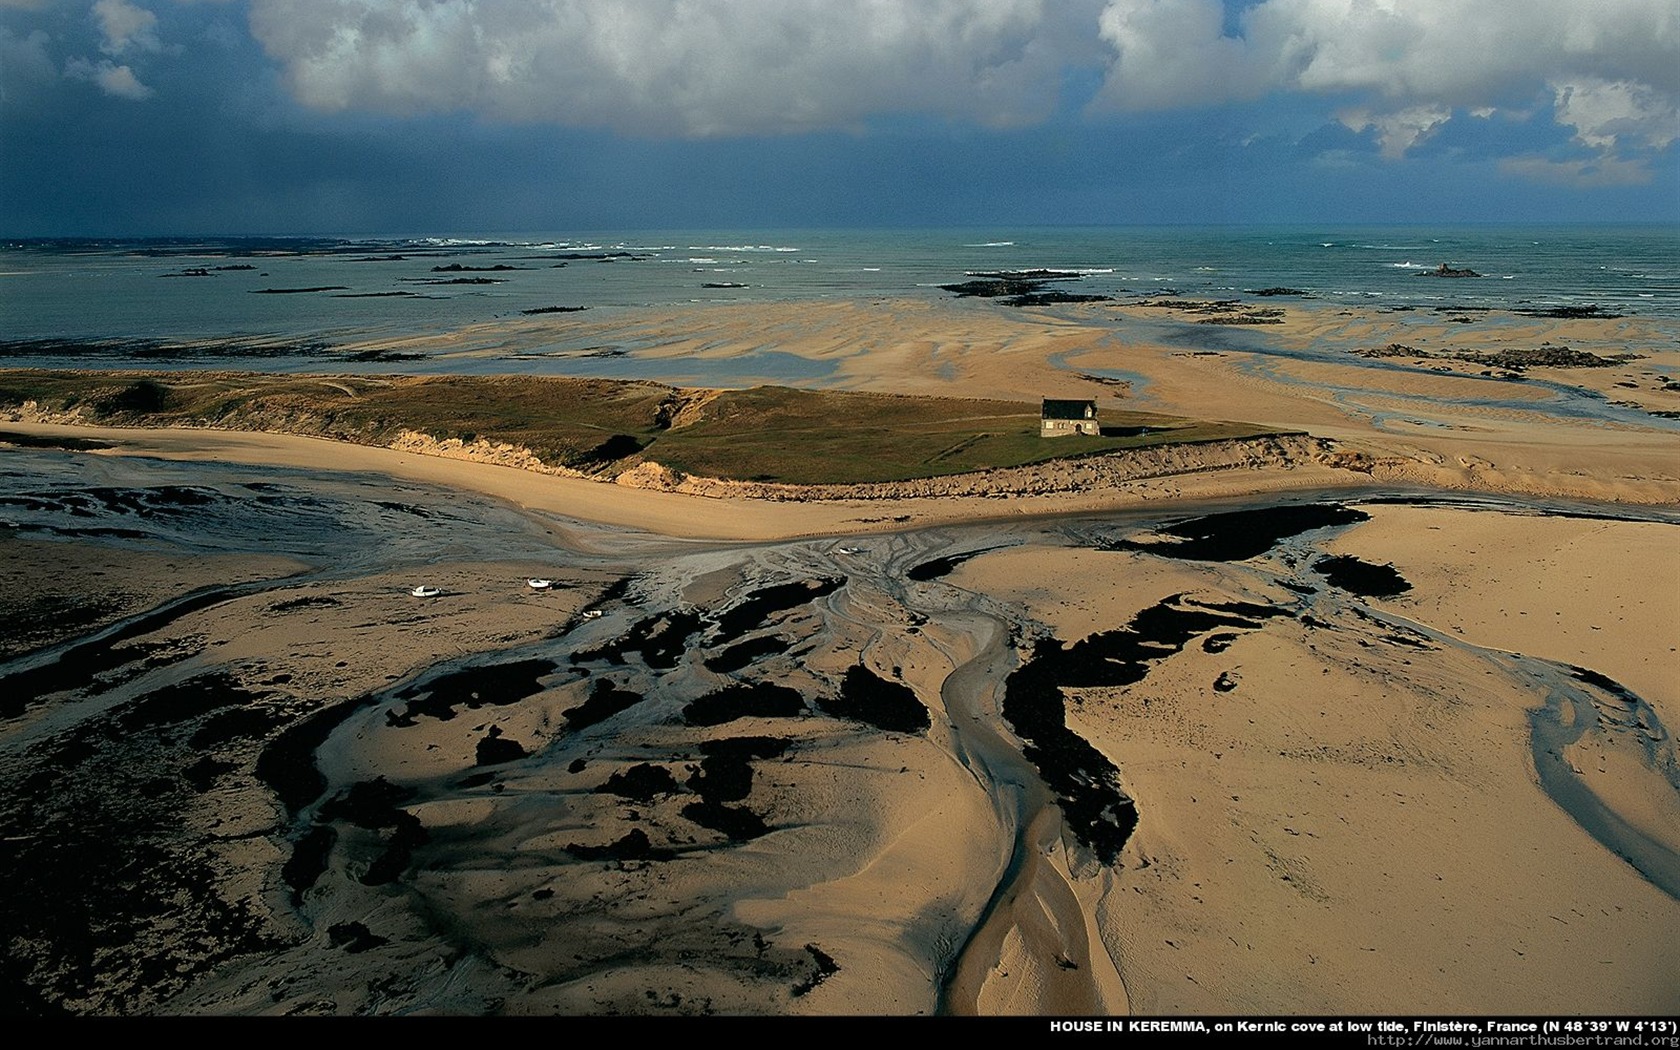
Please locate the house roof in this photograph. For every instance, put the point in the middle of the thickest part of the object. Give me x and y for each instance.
(1055, 408)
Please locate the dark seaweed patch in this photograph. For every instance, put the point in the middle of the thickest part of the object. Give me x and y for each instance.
(1086, 783)
(495, 685)
(376, 806)
(495, 749)
(725, 773)
(68, 444)
(735, 822)
(109, 907)
(287, 764)
(353, 937)
(824, 967)
(756, 700)
(204, 773)
(604, 701)
(744, 654)
(640, 783)
(311, 601)
(867, 697)
(1606, 683)
(183, 702)
(1242, 534)
(633, 846)
(660, 640)
(938, 567)
(308, 861)
(756, 609)
(78, 666)
(49, 618)
(1361, 577)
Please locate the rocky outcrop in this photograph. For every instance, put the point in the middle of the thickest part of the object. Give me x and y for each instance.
(1444, 270)
(498, 453)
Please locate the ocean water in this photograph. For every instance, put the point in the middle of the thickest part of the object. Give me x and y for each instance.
(302, 292)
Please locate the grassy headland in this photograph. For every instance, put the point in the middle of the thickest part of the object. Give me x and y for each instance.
(773, 434)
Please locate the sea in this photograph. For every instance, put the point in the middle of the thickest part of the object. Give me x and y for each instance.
(281, 302)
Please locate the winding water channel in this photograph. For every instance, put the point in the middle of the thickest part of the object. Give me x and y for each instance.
(632, 808)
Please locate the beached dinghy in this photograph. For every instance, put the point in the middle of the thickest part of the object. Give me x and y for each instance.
(537, 584)
(423, 591)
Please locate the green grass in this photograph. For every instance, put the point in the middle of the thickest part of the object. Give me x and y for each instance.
(772, 434)
(825, 437)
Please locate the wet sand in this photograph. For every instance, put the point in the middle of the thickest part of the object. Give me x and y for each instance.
(1357, 756)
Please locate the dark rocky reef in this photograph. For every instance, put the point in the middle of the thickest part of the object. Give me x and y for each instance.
(1573, 313)
(1444, 270)
(1052, 298)
(997, 284)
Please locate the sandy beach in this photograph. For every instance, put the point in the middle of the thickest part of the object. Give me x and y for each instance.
(1373, 720)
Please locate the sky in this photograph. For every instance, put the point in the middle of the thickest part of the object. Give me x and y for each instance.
(415, 117)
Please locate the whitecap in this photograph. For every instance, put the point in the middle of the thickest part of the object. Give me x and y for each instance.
(739, 248)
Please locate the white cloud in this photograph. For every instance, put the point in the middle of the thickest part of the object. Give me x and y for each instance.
(1407, 62)
(117, 81)
(1398, 132)
(125, 27)
(1605, 112)
(1172, 54)
(1610, 69)
(689, 67)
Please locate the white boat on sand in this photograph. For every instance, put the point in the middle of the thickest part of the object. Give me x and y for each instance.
(425, 591)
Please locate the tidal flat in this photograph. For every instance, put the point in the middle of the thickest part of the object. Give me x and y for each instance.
(1375, 719)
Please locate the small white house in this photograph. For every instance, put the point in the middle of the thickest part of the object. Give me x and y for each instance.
(1059, 418)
